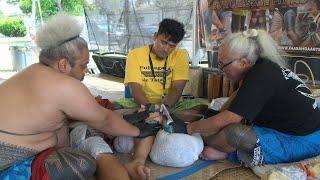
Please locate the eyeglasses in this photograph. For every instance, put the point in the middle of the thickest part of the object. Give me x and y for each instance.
(222, 66)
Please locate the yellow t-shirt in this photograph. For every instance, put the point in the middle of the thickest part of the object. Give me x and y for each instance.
(138, 70)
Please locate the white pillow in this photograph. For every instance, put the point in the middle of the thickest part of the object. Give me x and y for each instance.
(176, 149)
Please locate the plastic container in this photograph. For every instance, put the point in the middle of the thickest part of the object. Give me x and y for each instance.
(127, 92)
(21, 56)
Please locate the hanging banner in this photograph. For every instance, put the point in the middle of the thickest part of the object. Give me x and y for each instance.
(293, 24)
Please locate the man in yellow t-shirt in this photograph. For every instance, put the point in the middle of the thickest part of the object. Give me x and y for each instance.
(151, 72)
(150, 66)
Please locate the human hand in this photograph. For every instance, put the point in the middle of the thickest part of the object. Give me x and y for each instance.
(136, 117)
(150, 107)
(148, 129)
(179, 126)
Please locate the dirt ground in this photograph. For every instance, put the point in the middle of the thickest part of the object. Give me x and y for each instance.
(104, 85)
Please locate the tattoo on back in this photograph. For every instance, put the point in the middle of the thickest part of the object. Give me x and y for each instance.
(11, 154)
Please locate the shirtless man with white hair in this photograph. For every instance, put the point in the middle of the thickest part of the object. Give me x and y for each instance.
(36, 103)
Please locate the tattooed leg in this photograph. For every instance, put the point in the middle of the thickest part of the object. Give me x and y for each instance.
(67, 163)
(244, 139)
(219, 142)
(245, 158)
(240, 136)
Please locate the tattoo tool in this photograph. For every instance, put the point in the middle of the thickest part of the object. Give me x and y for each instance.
(167, 125)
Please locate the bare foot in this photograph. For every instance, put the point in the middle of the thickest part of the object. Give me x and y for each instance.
(137, 170)
(210, 153)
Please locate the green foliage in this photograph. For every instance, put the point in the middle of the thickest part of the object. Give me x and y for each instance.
(25, 6)
(88, 6)
(13, 27)
(75, 7)
(49, 7)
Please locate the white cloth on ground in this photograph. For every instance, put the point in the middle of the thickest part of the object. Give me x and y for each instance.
(93, 145)
(176, 149)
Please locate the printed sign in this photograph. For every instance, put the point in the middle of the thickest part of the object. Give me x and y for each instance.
(293, 24)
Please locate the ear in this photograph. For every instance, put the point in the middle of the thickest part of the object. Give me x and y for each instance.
(64, 66)
(244, 62)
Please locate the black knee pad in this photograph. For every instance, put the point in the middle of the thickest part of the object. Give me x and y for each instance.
(71, 164)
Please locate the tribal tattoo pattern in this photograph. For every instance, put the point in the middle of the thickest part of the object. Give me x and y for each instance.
(240, 136)
(244, 140)
(11, 154)
(68, 163)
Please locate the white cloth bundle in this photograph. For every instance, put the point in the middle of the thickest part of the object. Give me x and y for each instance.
(93, 145)
(176, 149)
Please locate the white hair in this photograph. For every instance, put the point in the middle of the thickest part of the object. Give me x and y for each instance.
(253, 44)
(59, 38)
(58, 29)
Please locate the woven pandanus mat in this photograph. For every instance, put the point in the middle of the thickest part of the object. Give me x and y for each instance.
(225, 171)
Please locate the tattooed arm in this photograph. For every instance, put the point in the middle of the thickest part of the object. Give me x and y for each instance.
(215, 123)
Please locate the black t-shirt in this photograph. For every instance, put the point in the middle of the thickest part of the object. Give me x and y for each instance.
(276, 98)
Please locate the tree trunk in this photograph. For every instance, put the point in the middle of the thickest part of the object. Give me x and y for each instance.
(58, 3)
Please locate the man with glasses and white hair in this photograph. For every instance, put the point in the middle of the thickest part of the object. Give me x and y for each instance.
(156, 74)
(272, 118)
